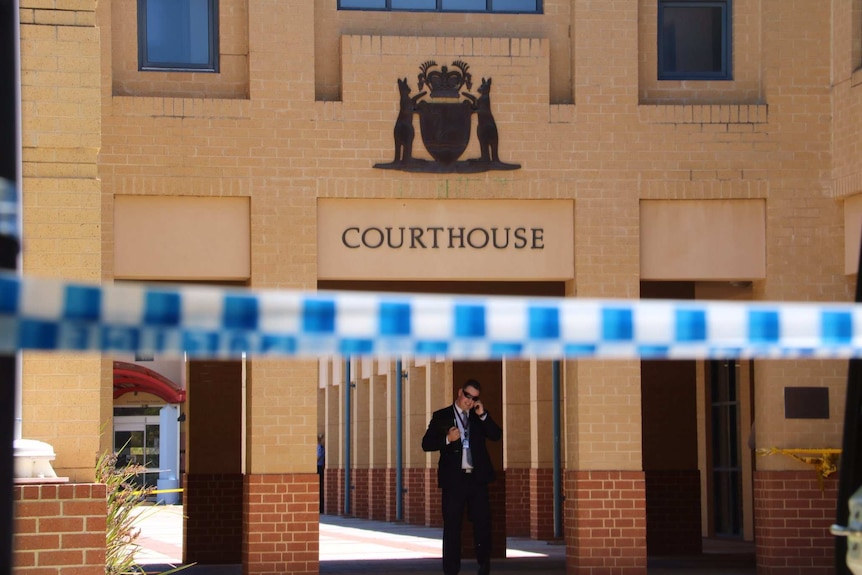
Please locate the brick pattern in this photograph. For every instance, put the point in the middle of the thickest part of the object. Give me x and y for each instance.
(791, 523)
(333, 498)
(605, 522)
(433, 499)
(518, 497)
(59, 529)
(541, 503)
(359, 495)
(378, 488)
(212, 504)
(414, 496)
(391, 511)
(281, 524)
(673, 512)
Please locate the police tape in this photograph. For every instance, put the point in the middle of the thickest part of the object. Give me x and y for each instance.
(202, 321)
(157, 491)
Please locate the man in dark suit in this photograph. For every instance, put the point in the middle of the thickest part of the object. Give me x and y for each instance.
(459, 432)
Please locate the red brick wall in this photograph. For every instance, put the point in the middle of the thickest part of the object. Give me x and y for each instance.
(673, 512)
(390, 494)
(433, 499)
(518, 496)
(378, 489)
(212, 504)
(359, 495)
(605, 522)
(281, 525)
(333, 498)
(414, 496)
(541, 503)
(791, 523)
(59, 529)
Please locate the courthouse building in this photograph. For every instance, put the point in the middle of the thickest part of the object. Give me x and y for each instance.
(698, 149)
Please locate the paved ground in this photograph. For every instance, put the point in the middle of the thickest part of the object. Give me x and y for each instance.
(351, 546)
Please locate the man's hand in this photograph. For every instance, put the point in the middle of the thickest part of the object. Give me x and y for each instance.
(453, 435)
(479, 408)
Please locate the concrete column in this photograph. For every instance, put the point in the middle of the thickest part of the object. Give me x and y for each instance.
(333, 474)
(517, 444)
(360, 436)
(416, 417)
(541, 450)
(391, 381)
(438, 389)
(280, 514)
(213, 500)
(379, 432)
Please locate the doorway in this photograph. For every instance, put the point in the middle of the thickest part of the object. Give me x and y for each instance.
(137, 438)
(728, 423)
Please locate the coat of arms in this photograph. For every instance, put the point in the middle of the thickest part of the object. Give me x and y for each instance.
(445, 116)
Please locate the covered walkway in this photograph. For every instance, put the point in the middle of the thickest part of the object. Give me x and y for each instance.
(350, 546)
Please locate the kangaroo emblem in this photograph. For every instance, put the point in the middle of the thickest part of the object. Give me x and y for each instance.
(486, 127)
(444, 109)
(404, 131)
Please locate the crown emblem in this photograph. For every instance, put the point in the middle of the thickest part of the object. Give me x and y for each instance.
(445, 83)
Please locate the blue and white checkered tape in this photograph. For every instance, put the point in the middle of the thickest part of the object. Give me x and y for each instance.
(8, 208)
(44, 314)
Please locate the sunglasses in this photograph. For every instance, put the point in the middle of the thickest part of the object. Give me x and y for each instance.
(469, 395)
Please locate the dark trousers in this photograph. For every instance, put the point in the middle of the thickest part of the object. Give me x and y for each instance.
(472, 496)
(320, 478)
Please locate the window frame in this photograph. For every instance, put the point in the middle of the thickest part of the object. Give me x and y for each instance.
(489, 9)
(726, 71)
(212, 64)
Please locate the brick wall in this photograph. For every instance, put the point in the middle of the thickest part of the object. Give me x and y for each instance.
(791, 523)
(518, 502)
(59, 529)
(281, 524)
(414, 496)
(333, 485)
(212, 504)
(605, 522)
(379, 487)
(541, 503)
(391, 494)
(359, 494)
(673, 512)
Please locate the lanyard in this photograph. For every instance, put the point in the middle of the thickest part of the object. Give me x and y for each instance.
(465, 422)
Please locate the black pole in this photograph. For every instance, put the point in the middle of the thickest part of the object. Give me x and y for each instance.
(9, 158)
(850, 472)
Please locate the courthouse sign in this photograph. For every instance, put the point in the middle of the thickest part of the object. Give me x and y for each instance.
(503, 240)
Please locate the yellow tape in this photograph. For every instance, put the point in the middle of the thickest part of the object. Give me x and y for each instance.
(155, 491)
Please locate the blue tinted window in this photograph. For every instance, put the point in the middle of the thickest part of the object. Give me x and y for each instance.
(178, 35)
(694, 40)
(516, 6)
(413, 4)
(464, 5)
(376, 4)
(525, 6)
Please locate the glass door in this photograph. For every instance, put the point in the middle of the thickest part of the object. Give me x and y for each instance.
(136, 442)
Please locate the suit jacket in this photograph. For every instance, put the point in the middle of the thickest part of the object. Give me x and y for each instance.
(449, 466)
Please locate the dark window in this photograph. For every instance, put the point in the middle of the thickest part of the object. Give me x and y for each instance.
(179, 35)
(694, 40)
(511, 6)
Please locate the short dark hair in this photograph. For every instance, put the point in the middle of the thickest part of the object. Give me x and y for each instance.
(472, 383)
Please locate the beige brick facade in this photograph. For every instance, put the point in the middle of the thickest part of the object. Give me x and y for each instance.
(303, 107)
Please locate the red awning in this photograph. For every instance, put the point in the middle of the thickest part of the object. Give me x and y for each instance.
(129, 377)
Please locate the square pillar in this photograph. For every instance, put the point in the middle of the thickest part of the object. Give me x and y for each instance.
(605, 522)
(59, 529)
(792, 515)
(281, 529)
